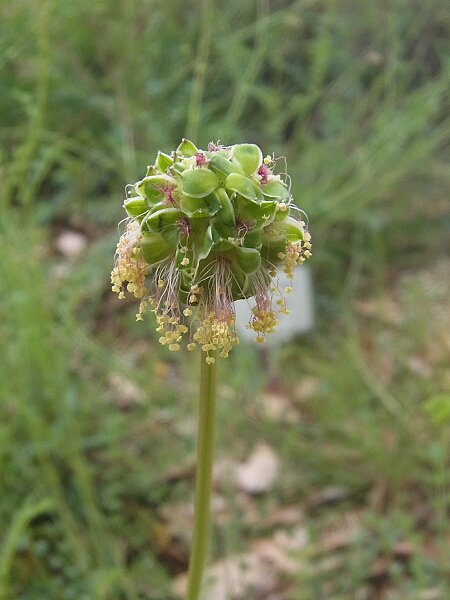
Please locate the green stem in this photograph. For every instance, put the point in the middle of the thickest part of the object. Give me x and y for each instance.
(205, 449)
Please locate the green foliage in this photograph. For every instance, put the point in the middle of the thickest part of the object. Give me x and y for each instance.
(438, 407)
(354, 94)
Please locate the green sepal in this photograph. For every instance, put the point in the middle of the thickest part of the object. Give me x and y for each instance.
(158, 220)
(223, 245)
(163, 161)
(221, 165)
(201, 238)
(206, 206)
(186, 148)
(151, 186)
(199, 182)
(226, 211)
(271, 250)
(244, 186)
(292, 229)
(222, 151)
(179, 167)
(281, 215)
(273, 242)
(221, 231)
(151, 170)
(252, 239)
(248, 259)
(262, 214)
(248, 157)
(153, 247)
(171, 235)
(276, 189)
(136, 207)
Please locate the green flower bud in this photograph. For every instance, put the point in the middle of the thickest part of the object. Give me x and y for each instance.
(243, 185)
(204, 229)
(276, 189)
(249, 259)
(136, 207)
(153, 247)
(186, 148)
(160, 219)
(248, 157)
(153, 187)
(199, 182)
(223, 167)
(226, 210)
(263, 213)
(204, 206)
(163, 161)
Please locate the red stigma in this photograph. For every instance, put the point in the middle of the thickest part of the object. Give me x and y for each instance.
(264, 172)
(167, 190)
(200, 159)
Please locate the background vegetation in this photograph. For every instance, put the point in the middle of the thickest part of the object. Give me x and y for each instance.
(97, 427)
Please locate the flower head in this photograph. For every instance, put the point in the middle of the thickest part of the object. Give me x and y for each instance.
(204, 229)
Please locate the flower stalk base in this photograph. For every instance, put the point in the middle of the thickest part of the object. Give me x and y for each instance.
(205, 455)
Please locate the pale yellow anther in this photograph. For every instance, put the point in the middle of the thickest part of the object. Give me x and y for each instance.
(210, 360)
(174, 347)
(191, 346)
(187, 312)
(288, 289)
(161, 283)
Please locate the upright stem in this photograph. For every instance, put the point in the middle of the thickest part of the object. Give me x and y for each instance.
(205, 450)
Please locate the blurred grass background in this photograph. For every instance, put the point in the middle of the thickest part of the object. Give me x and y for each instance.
(96, 418)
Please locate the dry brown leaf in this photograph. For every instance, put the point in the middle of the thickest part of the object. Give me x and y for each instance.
(277, 406)
(259, 472)
(123, 391)
(233, 578)
(71, 244)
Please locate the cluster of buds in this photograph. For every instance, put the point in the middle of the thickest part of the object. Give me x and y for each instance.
(204, 229)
